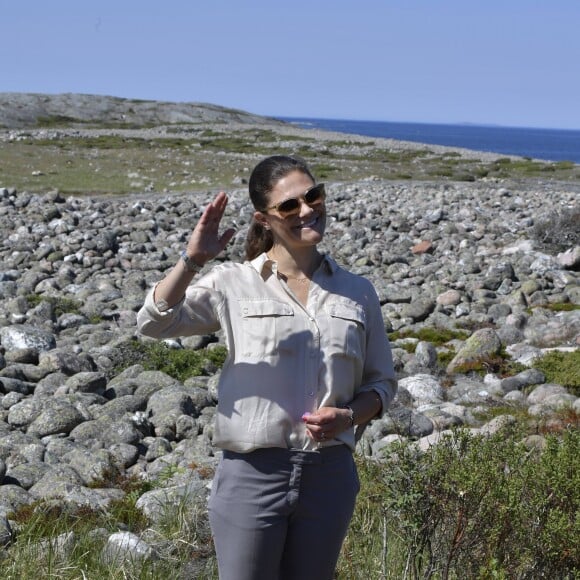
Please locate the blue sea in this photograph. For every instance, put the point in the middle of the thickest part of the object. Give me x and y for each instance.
(547, 144)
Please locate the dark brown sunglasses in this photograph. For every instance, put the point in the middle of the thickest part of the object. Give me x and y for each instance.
(291, 206)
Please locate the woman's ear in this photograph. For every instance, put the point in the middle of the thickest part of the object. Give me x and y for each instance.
(261, 219)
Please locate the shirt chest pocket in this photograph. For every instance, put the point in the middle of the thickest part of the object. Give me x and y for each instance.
(347, 329)
(265, 324)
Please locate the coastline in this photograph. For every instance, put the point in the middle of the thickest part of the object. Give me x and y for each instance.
(534, 143)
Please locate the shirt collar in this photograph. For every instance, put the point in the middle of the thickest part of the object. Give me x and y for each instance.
(261, 262)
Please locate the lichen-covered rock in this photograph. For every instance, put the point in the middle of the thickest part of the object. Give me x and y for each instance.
(27, 337)
(26, 474)
(13, 497)
(423, 388)
(481, 345)
(126, 546)
(57, 416)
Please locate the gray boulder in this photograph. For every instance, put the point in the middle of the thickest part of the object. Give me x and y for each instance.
(92, 466)
(159, 503)
(66, 362)
(5, 531)
(166, 406)
(522, 380)
(419, 309)
(26, 474)
(13, 497)
(58, 416)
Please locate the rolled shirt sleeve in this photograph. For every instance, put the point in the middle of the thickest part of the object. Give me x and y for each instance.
(379, 372)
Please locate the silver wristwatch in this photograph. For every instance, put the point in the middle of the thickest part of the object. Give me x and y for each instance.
(351, 415)
(189, 264)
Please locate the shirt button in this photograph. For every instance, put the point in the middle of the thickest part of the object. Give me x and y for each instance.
(311, 393)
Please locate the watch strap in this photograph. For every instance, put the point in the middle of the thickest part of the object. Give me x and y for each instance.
(189, 264)
(351, 416)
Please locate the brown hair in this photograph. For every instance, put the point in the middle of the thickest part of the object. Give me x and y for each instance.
(262, 181)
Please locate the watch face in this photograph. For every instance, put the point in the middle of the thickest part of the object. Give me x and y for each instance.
(162, 305)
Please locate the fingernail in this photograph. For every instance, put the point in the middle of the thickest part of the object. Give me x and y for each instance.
(305, 416)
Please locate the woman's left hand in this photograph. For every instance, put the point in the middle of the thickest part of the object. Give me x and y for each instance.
(326, 423)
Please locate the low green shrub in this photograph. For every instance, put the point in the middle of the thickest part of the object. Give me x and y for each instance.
(469, 507)
(444, 357)
(61, 304)
(324, 170)
(562, 368)
(180, 364)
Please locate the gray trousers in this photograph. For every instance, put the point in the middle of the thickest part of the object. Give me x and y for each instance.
(279, 514)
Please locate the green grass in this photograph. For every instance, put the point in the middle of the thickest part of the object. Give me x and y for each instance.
(180, 536)
(196, 157)
(560, 307)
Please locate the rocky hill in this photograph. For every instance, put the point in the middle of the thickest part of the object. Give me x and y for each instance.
(18, 110)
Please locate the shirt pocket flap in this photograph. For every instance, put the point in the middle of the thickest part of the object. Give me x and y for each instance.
(347, 311)
(256, 308)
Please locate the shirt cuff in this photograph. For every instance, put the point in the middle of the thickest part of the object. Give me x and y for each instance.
(385, 392)
(152, 307)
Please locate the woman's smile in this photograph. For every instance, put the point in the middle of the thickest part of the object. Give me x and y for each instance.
(309, 224)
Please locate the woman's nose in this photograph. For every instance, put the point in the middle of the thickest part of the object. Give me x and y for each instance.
(305, 209)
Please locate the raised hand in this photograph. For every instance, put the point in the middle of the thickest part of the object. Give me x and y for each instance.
(206, 242)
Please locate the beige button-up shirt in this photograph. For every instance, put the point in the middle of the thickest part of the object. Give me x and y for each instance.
(284, 359)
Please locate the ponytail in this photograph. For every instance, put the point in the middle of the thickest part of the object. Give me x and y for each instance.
(258, 240)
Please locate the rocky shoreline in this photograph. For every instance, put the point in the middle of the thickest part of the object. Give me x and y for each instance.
(454, 256)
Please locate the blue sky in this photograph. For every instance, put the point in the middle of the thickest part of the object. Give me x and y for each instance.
(504, 62)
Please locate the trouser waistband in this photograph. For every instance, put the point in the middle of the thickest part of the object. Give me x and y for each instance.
(297, 456)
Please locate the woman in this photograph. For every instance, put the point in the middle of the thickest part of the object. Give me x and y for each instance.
(308, 360)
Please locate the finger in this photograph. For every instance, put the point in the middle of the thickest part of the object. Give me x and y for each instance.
(226, 237)
(316, 419)
(214, 210)
(220, 202)
(316, 435)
